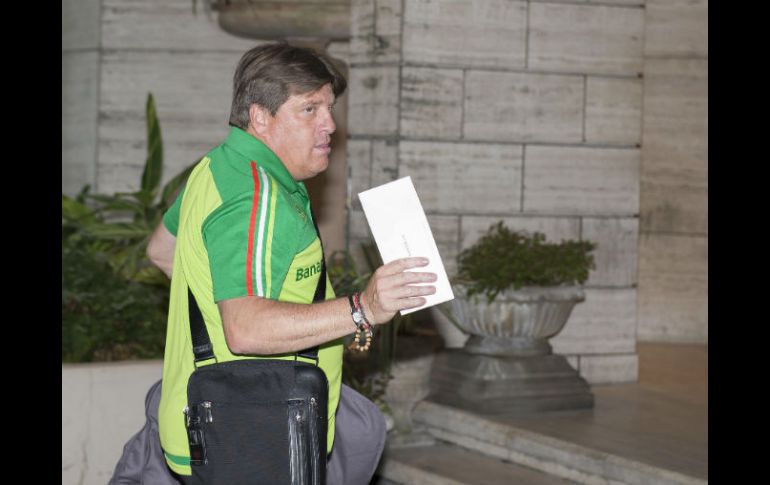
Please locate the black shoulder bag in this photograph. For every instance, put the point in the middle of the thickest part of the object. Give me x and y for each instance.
(256, 421)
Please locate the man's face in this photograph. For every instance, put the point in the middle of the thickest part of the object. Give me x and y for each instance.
(300, 132)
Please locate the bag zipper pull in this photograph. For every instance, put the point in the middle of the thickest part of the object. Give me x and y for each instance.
(207, 407)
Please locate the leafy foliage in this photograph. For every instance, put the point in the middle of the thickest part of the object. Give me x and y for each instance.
(114, 300)
(104, 315)
(120, 225)
(344, 274)
(504, 259)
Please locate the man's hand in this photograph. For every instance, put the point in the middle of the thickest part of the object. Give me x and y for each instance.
(392, 288)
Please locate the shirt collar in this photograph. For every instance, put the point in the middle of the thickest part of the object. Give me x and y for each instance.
(253, 149)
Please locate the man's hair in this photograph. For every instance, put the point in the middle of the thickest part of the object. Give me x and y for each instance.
(268, 74)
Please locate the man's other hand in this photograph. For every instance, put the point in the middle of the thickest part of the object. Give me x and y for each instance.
(393, 288)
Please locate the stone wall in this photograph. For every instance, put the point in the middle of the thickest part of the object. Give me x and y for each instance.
(115, 52)
(525, 111)
(80, 56)
(182, 57)
(673, 244)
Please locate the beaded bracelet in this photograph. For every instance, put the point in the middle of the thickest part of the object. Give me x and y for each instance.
(356, 344)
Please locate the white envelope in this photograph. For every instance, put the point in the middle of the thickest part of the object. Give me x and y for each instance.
(401, 230)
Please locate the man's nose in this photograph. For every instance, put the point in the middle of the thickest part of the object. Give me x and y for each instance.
(327, 123)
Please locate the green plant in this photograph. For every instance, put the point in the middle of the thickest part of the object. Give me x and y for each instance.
(503, 259)
(120, 225)
(114, 300)
(104, 315)
(344, 274)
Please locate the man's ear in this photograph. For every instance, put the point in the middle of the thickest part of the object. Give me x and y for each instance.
(259, 118)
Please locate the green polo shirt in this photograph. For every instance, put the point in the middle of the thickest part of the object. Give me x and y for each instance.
(243, 228)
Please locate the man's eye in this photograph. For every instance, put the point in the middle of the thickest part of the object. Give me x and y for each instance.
(309, 109)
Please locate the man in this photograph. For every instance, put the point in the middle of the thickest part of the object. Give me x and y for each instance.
(241, 236)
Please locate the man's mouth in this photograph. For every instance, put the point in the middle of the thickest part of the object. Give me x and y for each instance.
(324, 147)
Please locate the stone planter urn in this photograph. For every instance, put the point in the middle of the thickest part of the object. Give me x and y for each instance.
(517, 322)
(507, 365)
(453, 337)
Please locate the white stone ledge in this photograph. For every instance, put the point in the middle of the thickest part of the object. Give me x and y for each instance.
(519, 70)
(102, 407)
(510, 141)
(606, 3)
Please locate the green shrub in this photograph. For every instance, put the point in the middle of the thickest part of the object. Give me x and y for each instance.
(504, 259)
(120, 225)
(104, 315)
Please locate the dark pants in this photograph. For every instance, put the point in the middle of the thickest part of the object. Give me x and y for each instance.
(359, 438)
(358, 442)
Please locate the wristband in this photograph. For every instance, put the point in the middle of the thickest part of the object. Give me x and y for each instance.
(360, 308)
(356, 312)
(363, 327)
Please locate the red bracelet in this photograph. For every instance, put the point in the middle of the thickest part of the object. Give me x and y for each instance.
(360, 308)
(363, 338)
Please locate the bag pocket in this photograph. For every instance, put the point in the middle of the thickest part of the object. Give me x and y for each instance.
(242, 443)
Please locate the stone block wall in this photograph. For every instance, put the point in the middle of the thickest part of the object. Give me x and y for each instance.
(122, 51)
(673, 243)
(524, 111)
(115, 52)
(80, 55)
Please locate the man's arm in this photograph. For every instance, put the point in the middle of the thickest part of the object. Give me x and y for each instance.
(160, 249)
(255, 325)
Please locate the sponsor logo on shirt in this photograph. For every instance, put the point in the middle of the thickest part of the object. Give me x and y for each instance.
(308, 271)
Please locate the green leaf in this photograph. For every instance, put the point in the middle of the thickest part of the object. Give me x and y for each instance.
(153, 166)
(72, 209)
(151, 275)
(145, 198)
(172, 187)
(118, 230)
(116, 203)
(81, 197)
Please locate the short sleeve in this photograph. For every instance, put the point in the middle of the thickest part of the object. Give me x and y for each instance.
(245, 259)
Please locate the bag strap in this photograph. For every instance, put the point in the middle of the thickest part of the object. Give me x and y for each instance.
(202, 348)
(320, 290)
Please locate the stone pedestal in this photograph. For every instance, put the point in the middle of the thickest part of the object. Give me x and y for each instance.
(408, 385)
(507, 385)
(507, 366)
